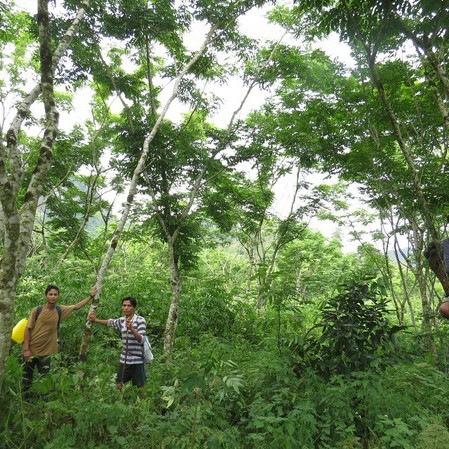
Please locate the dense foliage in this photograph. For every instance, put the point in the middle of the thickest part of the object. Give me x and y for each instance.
(239, 378)
(267, 334)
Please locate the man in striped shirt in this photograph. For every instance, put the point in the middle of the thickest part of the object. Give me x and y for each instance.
(132, 328)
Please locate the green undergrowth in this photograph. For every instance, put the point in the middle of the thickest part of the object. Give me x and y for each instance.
(239, 379)
(224, 393)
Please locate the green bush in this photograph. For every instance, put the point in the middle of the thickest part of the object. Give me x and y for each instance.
(354, 332)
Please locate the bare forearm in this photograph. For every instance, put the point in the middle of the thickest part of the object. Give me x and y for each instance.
(83, 302)
(26, 345)
(26, 339)
(136, 335)
(104, 322)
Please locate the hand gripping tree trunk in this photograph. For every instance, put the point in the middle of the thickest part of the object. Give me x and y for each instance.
(18, 223)
(172, 319)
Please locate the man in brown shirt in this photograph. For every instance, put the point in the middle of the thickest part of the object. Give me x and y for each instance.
(41, 333)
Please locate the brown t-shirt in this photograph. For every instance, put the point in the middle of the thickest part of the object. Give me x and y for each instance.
(44, 330)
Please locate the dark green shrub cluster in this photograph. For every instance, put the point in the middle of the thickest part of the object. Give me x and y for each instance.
(354, 332)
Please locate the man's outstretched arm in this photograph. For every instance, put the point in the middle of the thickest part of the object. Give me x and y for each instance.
(86, 300)
(93, 319)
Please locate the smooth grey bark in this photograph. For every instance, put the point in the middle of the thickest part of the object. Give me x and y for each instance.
(173, 312)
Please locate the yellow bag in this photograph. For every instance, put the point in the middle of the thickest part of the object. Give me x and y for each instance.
(18, 333)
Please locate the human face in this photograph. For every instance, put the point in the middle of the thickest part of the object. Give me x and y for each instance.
(52, 296)
(127, 308)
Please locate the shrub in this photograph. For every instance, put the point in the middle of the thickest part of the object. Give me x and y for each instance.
(355, 332)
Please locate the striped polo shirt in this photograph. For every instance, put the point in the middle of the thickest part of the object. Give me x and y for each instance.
(134, 352)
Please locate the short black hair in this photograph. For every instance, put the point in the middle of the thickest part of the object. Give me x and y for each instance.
(131, 299)
(51, 287)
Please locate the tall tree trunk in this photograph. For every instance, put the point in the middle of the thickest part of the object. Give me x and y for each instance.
(397, 254)
(251, 263)
(434, 254)
(428, 315)
(415, 177)
(133, 189)
(371, 49)
(173, 313)
(398, 305)
(171, 236)
(19, 224)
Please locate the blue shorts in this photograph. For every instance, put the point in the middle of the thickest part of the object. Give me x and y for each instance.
(136, 373)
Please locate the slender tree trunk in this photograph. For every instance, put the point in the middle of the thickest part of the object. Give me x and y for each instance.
(162, 217)
(404, 283)
(398, 307)
(173, 313)
(405, 151)
(269, 262)
(132, 191)
(251, 264)
(415, 177)
(90, 194)
(150, 77)
(370, 52)
(428, 314)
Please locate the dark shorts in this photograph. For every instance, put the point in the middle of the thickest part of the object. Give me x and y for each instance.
(136, 373)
